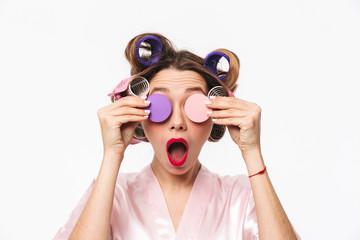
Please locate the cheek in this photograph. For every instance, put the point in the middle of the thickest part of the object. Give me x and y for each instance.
(200, 131)
(153, 132)
(203, 130)
(150, 129)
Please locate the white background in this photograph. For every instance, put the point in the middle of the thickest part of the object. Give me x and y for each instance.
(299, 61)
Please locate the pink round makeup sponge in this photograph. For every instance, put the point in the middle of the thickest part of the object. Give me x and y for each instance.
(196, 109)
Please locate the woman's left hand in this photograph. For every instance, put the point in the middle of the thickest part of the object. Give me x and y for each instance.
(242, 119)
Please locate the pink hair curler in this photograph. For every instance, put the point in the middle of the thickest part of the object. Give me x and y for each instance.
(131, 86)
(120, 88)
(231, 94)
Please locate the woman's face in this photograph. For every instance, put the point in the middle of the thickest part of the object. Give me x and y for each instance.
(165, 137)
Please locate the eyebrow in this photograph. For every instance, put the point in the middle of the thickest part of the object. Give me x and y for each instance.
(166, 90)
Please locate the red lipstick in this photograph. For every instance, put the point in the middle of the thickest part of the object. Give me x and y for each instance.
(182, 160)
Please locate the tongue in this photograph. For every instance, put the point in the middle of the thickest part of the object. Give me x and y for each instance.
(177, 151)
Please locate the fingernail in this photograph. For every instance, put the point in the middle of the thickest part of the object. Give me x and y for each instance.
(143, 97)
(214, 119)
(212, 97)
(207, 102)
(147, 111)
(147, 101)
(209, 112)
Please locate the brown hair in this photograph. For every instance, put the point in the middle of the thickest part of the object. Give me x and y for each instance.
(179, 60)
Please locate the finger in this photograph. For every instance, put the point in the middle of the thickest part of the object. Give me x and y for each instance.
(130, 101)
(130, 118)
(109, 115)
(129, 111)
(230, 121)
(232, 112)
(228, 102)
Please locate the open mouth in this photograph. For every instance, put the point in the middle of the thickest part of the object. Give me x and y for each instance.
(177, 150)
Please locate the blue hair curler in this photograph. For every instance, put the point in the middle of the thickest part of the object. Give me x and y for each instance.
(212, 60)
(156, 47)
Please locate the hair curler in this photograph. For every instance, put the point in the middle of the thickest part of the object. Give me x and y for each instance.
(217, 91)
(211, 62)
(120, 89)
(217, 132)
(131, 86)
(138, 86)
(139, 132)
(155, 47)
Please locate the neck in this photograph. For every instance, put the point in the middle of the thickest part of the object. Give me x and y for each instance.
(172, 181)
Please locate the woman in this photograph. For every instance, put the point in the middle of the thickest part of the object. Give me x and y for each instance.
(176, 197)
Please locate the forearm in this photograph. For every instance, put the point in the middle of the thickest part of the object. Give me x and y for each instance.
(272, 220)
(94, 221)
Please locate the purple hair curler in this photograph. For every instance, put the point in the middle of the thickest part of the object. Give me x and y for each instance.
(156, 47)
(212, 60)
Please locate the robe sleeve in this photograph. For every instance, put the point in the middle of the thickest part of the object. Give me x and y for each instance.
(65, 231)
(250, 227)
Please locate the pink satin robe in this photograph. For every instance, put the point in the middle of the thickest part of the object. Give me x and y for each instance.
(217, 208)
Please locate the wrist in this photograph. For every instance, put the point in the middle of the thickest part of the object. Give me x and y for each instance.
(254, 161)
(251, 153)
(114, 157)
(114, 151)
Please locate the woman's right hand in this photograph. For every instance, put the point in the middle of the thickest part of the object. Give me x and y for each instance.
(118, 121)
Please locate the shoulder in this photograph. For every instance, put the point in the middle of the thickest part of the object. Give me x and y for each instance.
(234, 185)
(126, 183)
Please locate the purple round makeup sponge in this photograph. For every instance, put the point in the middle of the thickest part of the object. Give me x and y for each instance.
(160, 107)
(196, 109)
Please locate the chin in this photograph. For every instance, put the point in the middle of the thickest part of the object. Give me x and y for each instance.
(181, 170)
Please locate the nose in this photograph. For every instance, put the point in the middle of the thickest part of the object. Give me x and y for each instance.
(177, 120)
